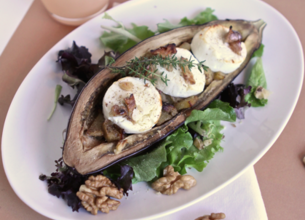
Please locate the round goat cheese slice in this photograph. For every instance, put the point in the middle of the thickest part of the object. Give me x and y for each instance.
(148, 104)
(209, 45)
(178, 86)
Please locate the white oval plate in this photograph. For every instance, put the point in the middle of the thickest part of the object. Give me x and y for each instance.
(30, 144)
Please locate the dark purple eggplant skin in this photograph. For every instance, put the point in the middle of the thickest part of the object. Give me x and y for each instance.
(102, 156)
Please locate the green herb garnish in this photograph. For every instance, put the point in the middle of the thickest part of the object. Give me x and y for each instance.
(144, 67)
(57, 93)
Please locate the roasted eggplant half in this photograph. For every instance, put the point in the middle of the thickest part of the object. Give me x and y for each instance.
(92, 143)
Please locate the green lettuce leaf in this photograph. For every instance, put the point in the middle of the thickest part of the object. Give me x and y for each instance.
(120, 29)
(257, 78)
(120, 38)
(180, 141)
(217, 110)
(259, 52)
(178, 149)
(120, 41)
(203, 17)
(145, 166)
(182, 155)
(199, 159)
(166, 26)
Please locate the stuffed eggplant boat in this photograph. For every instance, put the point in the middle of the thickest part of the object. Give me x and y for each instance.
(116, 117)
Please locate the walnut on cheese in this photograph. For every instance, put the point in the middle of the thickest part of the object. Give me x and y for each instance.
(133, 104)
(172, 181)
(183, 82)
(220, 47)
(94, 195)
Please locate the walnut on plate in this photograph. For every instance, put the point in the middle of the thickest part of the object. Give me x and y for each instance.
(213, 216)
(172, 181)
(94, 195)
(261, 93)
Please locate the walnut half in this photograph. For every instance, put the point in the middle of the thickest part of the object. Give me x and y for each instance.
(186, 73)
(261, 93)
(172, 181)
(213, 216)
(94, 195)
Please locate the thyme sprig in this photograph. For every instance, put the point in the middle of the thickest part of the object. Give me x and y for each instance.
(145, 67)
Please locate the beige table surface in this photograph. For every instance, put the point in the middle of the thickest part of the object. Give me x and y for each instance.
(280, 173)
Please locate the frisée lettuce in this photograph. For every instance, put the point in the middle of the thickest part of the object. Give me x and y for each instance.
(178, 149)
(203, 17)
(120, 38)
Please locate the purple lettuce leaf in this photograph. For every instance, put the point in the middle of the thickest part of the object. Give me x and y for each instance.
(235, 94)
(240, 113)
(64, 183)
(75, 61)
(124, 181)
(74, 83)
(121, 175)
(78, 69)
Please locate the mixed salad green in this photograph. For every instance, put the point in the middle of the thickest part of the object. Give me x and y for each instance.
(257, 78)
(177, 149)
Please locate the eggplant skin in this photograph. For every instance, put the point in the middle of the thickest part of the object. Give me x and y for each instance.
(97, 158)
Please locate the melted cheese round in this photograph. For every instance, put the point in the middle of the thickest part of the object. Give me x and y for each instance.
(177, 86)
(148, 105)
(209, 45)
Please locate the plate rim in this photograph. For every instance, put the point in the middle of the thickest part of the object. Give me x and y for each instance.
(161, 214)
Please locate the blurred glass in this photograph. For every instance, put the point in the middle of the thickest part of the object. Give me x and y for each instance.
(75, 12)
